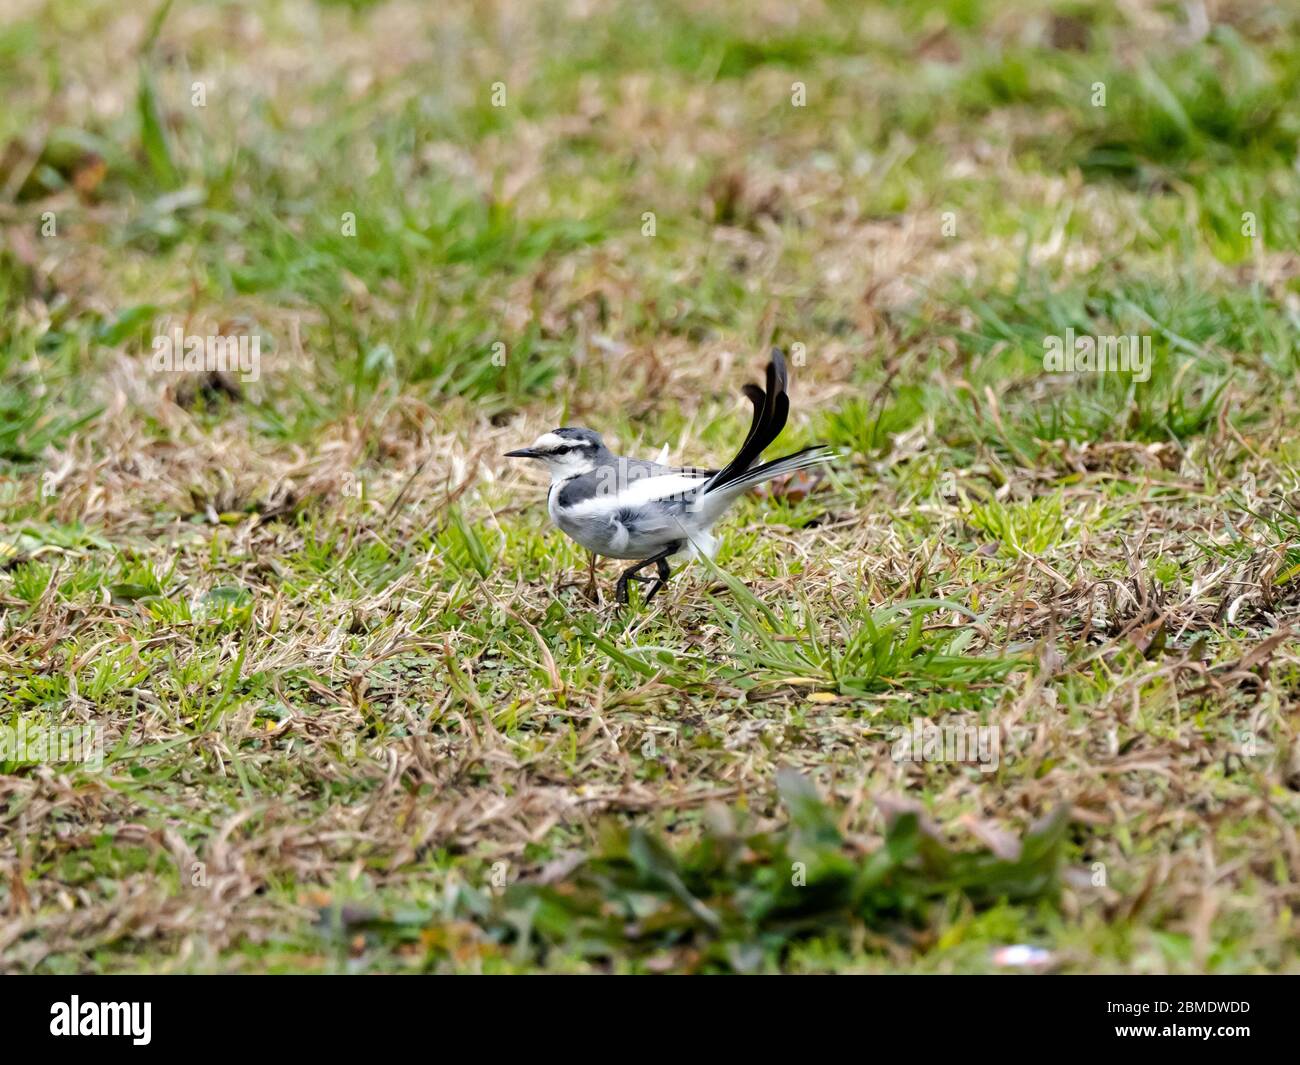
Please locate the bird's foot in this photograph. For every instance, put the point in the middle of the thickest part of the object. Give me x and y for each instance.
(620, 589)
(591, 591)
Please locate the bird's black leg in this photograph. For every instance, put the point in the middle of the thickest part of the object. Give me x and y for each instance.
(664, 572)
(632, 573)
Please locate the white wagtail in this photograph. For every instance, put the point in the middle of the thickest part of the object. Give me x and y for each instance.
(634, 509)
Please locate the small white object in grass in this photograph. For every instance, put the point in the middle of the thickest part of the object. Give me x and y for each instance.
(1236, 607)
(1022, 956)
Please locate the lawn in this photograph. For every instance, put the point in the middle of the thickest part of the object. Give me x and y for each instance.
(1022, 669)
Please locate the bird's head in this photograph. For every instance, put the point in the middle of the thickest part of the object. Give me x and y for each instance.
(566, 452)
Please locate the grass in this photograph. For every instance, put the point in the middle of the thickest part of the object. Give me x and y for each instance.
(356, 711)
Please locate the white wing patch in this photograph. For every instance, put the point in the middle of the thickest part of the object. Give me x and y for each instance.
(639, 492)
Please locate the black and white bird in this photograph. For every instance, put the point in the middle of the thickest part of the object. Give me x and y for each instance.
(634, 509)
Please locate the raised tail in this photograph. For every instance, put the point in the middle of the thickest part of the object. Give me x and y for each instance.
(771, 409)
(768, 471)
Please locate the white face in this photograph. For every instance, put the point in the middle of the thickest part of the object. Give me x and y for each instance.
(564, 457)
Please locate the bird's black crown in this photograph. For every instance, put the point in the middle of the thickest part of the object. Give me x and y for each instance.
(581, 437)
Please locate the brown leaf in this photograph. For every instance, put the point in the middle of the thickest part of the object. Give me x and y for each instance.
(794, 487)
(89, 175)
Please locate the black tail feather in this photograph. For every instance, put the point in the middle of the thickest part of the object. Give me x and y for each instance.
(771, 410)
(758, 398)
(775, 468)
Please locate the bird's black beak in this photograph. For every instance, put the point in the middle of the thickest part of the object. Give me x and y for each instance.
(521, 453)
